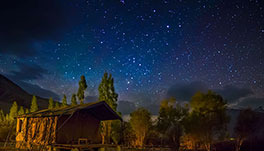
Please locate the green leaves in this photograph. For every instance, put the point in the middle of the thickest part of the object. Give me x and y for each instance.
(34, 105)
(82, 88)
(107, 91)
(170, 121)
(64, 101)
(208, 119)
(13, 111)
(57, 105)
(21, 111)
(73, 100)
(51, 104)
(2, 116)
(140, 122)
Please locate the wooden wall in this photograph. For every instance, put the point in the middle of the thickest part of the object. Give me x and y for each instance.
(33, 132)
(79, 125)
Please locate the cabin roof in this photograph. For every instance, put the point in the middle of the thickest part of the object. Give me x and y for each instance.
(99, 109)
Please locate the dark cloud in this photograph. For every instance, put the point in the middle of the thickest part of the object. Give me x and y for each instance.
(184, 91)
(126, 107)
(25, 22)
(233, 94)
(141, 99)
(252, 102)
(146, 100)
(27, 72)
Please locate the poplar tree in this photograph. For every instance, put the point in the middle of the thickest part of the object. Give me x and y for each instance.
(82, 88)
(51, 103)
(13, 111)
(21, 111)
(73, 100)
(64, 101)
(107, 91)
(34, 105)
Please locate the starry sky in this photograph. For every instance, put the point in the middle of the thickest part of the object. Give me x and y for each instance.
(153, 49)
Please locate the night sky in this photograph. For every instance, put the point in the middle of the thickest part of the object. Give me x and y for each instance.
(153, 48)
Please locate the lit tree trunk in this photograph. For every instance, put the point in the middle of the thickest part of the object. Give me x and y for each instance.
(208, 147)
(103, 132)
(103, 139)
(239, 143)
(208, 140)
(141, 140)
(108, 124)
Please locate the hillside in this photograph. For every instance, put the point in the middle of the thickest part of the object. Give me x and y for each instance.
(9, 92)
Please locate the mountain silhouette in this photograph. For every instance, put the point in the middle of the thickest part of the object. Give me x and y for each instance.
(10, 92)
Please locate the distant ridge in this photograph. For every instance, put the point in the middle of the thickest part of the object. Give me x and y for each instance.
(10, 92)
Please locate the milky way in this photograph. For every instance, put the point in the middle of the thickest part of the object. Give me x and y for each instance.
(148, 46)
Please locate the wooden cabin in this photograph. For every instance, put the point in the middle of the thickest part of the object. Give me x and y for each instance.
(66, 125)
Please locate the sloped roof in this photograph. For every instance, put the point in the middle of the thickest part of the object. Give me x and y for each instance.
(100, 109)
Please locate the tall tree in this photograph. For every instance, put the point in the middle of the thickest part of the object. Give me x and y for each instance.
(13, 111)
(140, 122)
(34, 104)
(51, 103)
(82, 88)
(208, 119)
(107, 93)
(245, 126)
(170, 121)
(21, 111)
(73, 100)
(64, 101)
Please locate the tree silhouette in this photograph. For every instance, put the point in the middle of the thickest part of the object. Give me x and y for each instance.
(2, 116)
(51, 103)
(34, 105)
(13, 111)
(21, 111)
(208, 119)
(64, 101)
(107, 93)
(170, 121)
(82, 88)
(245, 126)
(57, 104)
(140, 122)
(73, 100)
